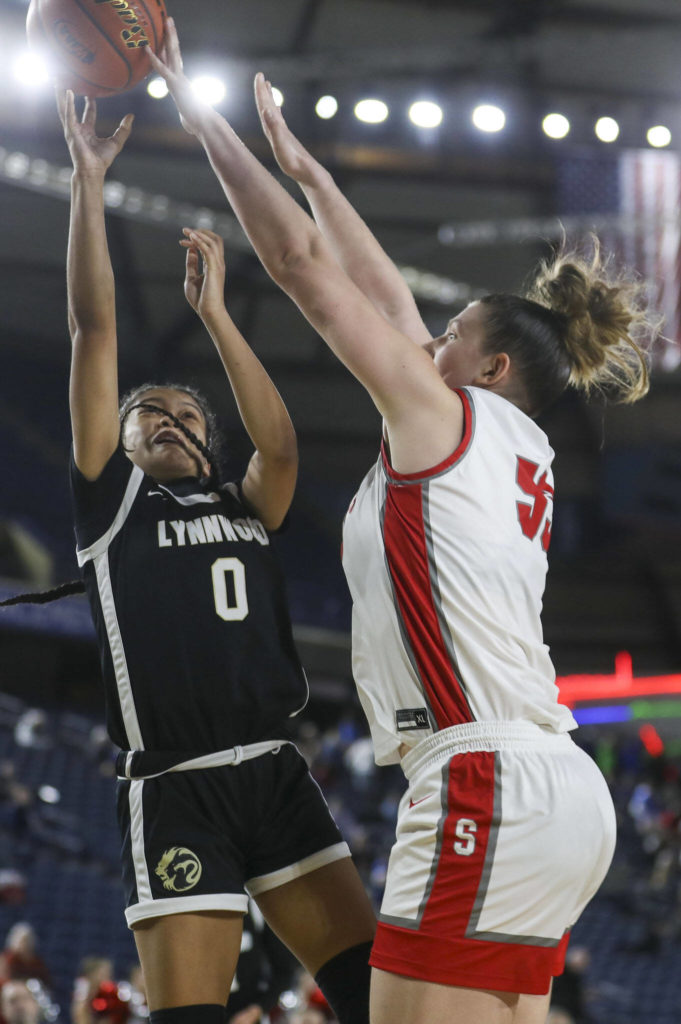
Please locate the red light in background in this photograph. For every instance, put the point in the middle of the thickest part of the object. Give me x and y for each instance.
(651, 740)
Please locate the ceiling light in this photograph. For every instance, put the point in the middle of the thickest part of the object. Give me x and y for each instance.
(371, 111)
(488, 118)
(659, 136)
(607, 129)
(157, 88)
(556, 126)
(30, 69)
(209, 88)
(277, 96)
(425, 114)
(326, 107)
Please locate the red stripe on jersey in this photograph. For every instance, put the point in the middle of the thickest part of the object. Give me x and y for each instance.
(407, 556)
(406, 553)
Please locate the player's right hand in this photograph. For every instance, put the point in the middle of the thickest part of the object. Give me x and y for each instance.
(204, 287)
(168, 64)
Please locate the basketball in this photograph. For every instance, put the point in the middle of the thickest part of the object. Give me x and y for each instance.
(96, 47)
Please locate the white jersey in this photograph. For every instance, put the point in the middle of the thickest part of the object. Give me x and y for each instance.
(447, 570)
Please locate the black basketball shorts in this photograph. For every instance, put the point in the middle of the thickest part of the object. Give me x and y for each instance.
(201, 840)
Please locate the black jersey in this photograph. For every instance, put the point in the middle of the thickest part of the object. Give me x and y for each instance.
(188, 602)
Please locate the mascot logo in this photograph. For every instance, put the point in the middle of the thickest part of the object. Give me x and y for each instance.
(179, 869)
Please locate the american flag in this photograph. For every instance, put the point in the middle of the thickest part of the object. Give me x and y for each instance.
(635, 196)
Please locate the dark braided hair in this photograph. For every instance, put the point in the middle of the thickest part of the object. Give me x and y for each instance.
(208, 450)
(43, 596)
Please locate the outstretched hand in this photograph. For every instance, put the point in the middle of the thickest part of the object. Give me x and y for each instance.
(88, 151)
(289, 152)
(204, 288)
(169, 66)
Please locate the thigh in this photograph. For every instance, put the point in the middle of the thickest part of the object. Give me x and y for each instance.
(321, 913)
(188, 958)
(400, 1000)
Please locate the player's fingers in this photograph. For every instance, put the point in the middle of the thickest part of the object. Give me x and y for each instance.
(172, 46)
(210, 237)
(156, 62)
(123, 130)
(70, 107)
(211, 246)
(267, 108)
(89, 112)
(60, 96)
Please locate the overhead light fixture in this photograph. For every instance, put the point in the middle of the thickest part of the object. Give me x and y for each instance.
(30, 69)
(210, 89)
(488, 118)
(556, 126)
(326, 107)
(659, 136)
(371, 111)
(425, 114)
(607, 129)
(157, 88)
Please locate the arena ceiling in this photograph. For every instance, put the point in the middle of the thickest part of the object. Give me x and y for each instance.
(465, 212)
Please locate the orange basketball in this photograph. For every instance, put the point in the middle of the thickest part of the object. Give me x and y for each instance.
(96, 47)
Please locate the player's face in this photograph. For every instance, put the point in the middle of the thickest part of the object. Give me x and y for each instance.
(458, 352)
(154, 443)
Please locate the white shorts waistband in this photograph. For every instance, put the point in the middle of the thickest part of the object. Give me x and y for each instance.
(471, 736)
(218, 759)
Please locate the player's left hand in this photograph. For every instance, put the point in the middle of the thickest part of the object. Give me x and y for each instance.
(289, 152)
(90, 152)
(204, 288)
(168, 64)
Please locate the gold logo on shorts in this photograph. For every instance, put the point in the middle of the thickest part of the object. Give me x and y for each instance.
(179, 869)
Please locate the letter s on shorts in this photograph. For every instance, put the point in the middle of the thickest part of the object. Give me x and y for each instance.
(465, 833)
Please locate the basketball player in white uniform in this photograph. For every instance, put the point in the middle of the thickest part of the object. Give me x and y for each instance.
(507, 828)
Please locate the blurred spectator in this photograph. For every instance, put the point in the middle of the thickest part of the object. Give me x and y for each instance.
(18, 1004)
(15, 800)
(134, 994)
(12, 886)
(33, 730)
(96, 996)
(307, 997)
(19, 959)
(308, 1016)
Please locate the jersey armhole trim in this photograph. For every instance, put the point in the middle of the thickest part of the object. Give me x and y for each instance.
(102, 543)
(451, 460)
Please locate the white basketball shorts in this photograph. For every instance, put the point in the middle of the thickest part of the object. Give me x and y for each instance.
(503, 836)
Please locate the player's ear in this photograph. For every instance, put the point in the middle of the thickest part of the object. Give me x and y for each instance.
(494, 370)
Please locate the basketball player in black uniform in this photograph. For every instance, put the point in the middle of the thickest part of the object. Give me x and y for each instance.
(198, 660)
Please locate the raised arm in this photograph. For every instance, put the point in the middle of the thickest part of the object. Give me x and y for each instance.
(355, 246)
(270, 479)
(423, 417)
(93, 392)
